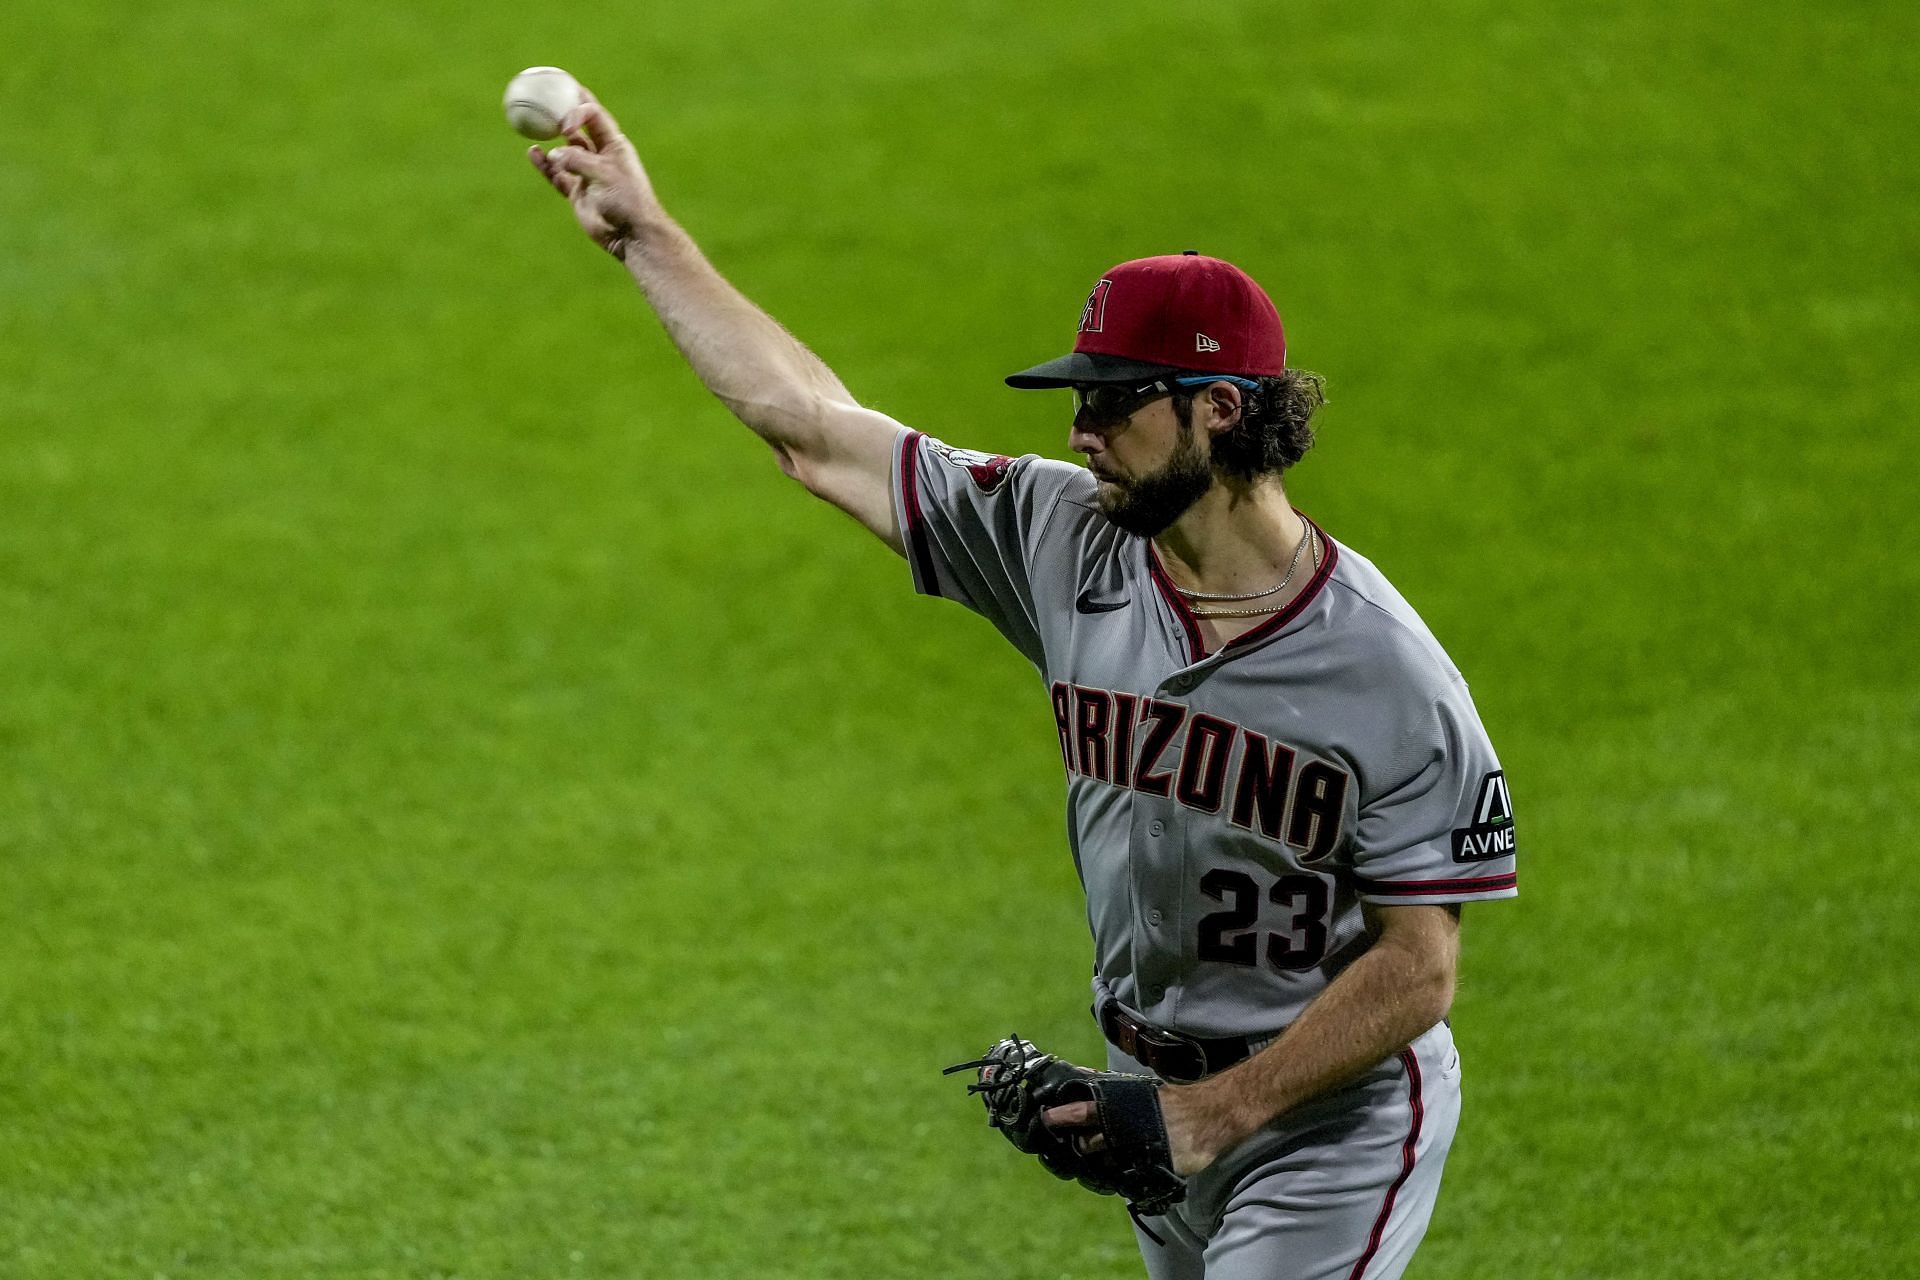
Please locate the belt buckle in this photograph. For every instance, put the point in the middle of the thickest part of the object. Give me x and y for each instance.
(1166, 1043)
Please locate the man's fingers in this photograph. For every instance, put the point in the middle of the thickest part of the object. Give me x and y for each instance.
(1077, 1115)
(600, 126)
(591, 126)
(574, 123)
(559, 179)
(538, 159)
(577, 160)
(1070, 1115)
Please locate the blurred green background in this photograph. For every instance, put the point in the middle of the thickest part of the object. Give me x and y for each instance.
(463, 813)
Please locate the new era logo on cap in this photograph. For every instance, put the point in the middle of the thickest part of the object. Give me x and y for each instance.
(1201, 342)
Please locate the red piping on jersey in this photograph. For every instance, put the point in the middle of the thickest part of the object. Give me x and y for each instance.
(1299, 602)
(916, 524)
(1407, 1149)
(1417, 888)
(1196, 646)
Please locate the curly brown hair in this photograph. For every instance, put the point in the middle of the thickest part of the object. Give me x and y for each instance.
(1274, 430)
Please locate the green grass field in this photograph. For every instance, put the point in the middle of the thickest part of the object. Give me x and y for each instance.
(462, 812)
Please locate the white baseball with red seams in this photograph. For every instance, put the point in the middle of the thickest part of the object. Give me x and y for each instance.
(538, 99)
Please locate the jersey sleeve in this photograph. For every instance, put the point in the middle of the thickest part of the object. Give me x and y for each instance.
(1444, 832)
(973, 525)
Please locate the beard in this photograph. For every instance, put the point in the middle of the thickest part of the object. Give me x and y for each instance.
(1146, 505)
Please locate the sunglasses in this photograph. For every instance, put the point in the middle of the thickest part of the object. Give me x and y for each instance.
(1111, 403)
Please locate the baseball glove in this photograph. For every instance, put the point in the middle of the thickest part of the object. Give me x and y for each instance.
(1018, 1082)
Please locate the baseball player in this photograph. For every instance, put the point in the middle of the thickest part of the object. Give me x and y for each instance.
(1279, 792)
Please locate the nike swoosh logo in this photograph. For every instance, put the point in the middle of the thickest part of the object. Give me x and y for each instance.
(1087, 604)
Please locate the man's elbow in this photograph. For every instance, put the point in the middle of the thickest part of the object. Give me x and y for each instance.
(1424, 942)
(1439, 989)
(789, 463)
(786, 420)
(809, 471)
(1428, 977)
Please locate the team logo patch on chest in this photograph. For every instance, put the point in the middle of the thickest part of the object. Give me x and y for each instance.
(1490, 835)
(989, 470)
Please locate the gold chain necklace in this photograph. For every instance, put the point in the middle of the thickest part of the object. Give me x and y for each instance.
(1307, 538)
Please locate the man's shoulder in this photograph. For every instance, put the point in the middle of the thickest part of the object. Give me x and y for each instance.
(1384, 631)
(1075, 483)
(1071, 494)
(1044, 477)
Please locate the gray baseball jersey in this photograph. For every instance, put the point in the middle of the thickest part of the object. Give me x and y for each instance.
(1228, 812)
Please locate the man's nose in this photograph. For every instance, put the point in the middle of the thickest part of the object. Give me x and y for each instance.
(1082, 440)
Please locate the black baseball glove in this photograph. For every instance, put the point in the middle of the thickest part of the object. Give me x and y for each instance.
(1018, 1082)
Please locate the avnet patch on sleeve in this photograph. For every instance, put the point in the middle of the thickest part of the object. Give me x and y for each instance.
(1490, 834)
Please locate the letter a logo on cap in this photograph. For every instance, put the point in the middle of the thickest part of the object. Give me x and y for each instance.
(1094, 318)
(1201, 342)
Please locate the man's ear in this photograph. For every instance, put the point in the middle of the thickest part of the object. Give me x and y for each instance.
(1224, 404)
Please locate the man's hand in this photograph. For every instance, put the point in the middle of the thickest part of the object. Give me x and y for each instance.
(1398, 988)
(1196, 1136)
(1124, 1151)
(600, 174)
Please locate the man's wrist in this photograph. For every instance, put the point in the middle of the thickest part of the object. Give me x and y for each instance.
(649, 234)
(1217, 1114)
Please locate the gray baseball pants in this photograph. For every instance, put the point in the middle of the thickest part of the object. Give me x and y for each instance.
(1340, 1188)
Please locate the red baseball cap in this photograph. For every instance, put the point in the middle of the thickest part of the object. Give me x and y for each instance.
(1180, 311)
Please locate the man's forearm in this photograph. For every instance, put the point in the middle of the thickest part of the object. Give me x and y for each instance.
(762, 373)
(840, 450)
(1386, 998)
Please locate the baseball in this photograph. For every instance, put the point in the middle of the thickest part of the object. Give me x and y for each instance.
(539, 98)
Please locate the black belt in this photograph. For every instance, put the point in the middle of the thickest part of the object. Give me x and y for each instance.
(1171, 1055)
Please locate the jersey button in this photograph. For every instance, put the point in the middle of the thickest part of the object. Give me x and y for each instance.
(1154, 917)
(1156, 827)
(1180, 684)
